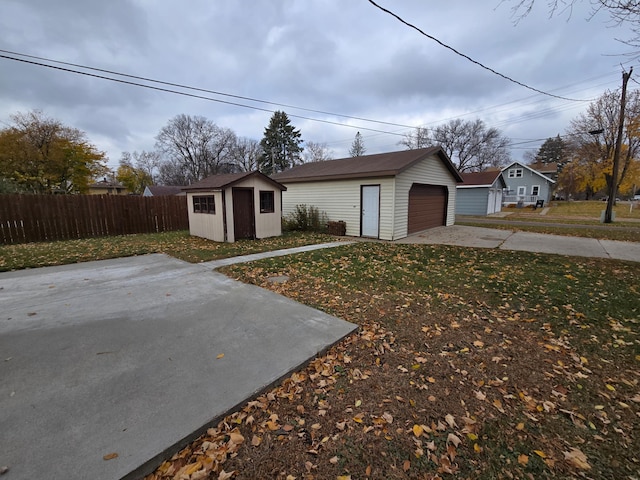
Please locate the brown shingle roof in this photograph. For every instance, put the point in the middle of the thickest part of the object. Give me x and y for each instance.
(378, 165)
(218, 182)
(480, 178)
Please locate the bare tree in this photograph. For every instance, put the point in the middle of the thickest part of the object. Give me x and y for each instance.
(417, 138)
(316, 152)
(196, 145)
(148, 162)
(620, 12)
(245, 153)
(470, 144)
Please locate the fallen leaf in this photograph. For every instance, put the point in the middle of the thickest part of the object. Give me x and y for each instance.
(576, 458)
(110, 456)
(256, 441)
(610, 387)
(480, 395)
(236, 437)
(220, 356)
(451, 438)
(450, 420)
(520, 426)
(406, 466)
(540, 453)
(225, 475)
(417, 430)
(523, 459)
(358, 403)
(333, 460)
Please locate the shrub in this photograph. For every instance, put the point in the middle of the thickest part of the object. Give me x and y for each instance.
(305, 219)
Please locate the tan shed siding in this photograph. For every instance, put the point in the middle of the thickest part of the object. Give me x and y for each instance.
(206, 225)
(431, 171)
(340, 200)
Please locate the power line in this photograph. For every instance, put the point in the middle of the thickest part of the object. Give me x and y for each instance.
(192, 95)
(204, 90)
(469, 58)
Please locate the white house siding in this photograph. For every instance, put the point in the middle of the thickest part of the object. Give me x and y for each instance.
(340, 200)
(472, 201)
(206, 225)
(430, 171)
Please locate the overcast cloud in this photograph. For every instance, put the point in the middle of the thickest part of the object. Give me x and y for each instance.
(339, 56)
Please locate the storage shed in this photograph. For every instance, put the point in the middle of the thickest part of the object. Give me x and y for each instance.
(386, 196)
(229, 207)
(480, 194)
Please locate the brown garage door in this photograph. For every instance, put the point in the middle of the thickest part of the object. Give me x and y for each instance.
(427, 207)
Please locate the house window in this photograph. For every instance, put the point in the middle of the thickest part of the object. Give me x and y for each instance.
(204, 204)
(535, 190)
(267, 203)
(515, 173)
(522, 191)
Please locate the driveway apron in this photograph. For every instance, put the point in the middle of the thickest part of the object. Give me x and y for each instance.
(134, 357)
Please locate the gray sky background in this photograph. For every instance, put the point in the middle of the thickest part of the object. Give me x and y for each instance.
(339, 56)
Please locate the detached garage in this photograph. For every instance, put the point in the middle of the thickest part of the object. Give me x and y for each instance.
(481, 193)
(386, 196)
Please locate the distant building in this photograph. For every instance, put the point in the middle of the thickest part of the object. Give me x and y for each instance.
(162, 190)
(107, 187)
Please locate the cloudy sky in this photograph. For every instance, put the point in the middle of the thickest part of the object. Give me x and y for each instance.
(345, 58)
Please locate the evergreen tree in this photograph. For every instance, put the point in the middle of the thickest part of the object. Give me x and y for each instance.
(553, 150)
(280, 145)
(357, 147)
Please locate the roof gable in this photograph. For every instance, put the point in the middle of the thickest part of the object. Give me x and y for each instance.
(218, 182)
(528, 168)
(159, 190)
(377, 165)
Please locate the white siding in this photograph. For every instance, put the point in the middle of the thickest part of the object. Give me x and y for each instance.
(340, 200)
(206, 225)
(430, 171)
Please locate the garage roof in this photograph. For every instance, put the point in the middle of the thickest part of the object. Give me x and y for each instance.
(378, 165)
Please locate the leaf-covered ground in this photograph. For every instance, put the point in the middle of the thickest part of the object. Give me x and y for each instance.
(177, 244)
(479, 364)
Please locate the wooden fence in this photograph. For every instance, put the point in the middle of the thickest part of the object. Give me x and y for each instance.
(38, 218)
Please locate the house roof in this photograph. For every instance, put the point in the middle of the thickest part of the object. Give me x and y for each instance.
(528, 168)
(545, 167)
(366, 166)
(481, 179)
(104, 183)
(160, 190)
(218, 182)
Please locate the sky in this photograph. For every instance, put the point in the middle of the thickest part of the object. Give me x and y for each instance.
(336, 65)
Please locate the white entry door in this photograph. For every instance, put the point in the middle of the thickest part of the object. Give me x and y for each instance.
(370, 218)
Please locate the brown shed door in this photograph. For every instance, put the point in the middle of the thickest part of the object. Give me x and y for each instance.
(243, 213)
(427, 207)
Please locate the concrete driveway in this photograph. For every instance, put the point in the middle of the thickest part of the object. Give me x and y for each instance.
(122, 356)
(526, 241)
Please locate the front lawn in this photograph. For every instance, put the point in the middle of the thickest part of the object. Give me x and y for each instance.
(629, 234)
(469, 363)
(177, 244)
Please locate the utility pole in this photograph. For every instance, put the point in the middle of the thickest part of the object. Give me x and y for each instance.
(613, 188)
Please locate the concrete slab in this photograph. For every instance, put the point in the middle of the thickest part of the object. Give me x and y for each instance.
(622, 250)
(460, 235)
(120, 356)
(558, 244)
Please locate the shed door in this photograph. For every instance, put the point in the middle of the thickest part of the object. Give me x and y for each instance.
(370, 217)
(427, 207)
(244, 225)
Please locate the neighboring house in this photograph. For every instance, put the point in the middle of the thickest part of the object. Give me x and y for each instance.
(548, 169)
(107, 187)
(387, 196)
(226, 208)
(525, 186)
(162, 190)
(480, 193)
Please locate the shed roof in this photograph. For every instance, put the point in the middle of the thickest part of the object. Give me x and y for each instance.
(218, 182)
(378, 165)
(481, 179)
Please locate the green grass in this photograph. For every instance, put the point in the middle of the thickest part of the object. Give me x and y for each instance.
(583, 209)
(531, 355)
(177, 244)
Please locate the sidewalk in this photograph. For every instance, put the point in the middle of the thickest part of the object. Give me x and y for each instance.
(526, 241)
